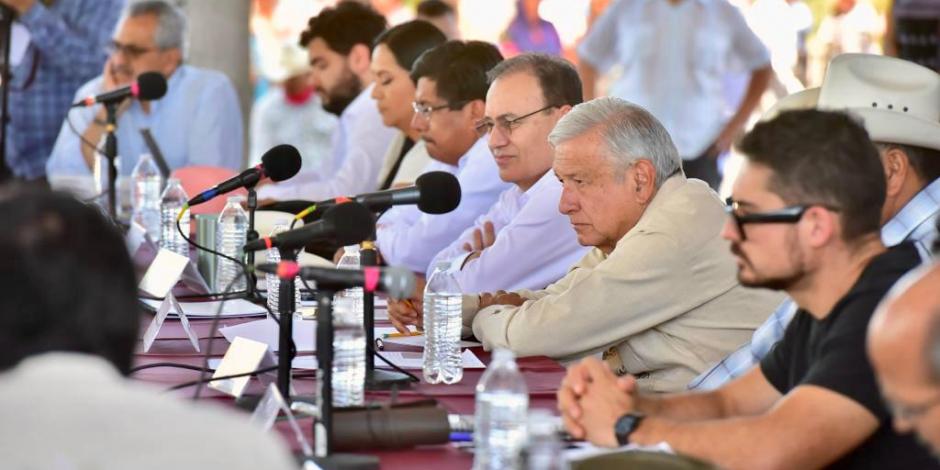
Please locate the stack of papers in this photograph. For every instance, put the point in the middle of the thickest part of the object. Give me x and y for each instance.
(232, 309)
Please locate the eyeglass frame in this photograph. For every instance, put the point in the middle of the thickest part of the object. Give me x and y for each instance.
(426, 110)
(786, 215)
(131, 51)
(486, 125)
(911, 412)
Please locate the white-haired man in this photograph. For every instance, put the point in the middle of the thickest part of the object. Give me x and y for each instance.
(655, 233)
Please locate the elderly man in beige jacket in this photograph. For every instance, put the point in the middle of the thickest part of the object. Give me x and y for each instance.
(658, 295)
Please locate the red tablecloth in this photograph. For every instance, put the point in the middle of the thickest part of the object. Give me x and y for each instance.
(542, 375)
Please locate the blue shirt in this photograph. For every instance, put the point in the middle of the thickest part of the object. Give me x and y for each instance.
(914, 222)
(197, 122)
(66, 49)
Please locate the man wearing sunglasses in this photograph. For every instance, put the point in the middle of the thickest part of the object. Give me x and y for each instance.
(801, 223)
(449, 101)
(522, 242)
(197, 122)
(908, 140)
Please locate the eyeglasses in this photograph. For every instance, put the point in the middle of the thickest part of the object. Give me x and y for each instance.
(485, 126)
(130, 51)
(786, 215)
(911, 412)
(425, 110)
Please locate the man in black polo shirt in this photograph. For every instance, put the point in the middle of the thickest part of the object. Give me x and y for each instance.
(804, 219)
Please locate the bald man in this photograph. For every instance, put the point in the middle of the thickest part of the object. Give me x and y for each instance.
(902, 337)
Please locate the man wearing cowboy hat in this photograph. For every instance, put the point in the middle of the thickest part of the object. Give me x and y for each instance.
(899, 102)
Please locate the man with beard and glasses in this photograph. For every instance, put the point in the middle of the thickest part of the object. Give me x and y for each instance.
(908, 140)
(339, 41)
(197, 122)
(801, 222)
(904, 347)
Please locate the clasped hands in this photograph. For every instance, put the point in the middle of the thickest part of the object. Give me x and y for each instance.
(591, 399)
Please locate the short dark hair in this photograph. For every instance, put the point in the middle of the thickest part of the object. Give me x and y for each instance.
(459, 69)
(68, 282)
(822, 157)
(344, 26)
(558, 79)
(435, 9)
(408, 41)
(924, 161)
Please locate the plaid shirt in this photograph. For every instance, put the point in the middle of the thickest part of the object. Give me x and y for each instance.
(66, 49)
(914, 223)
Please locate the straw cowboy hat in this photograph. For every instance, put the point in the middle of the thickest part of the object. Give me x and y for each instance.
(899, 101)
(291, 60)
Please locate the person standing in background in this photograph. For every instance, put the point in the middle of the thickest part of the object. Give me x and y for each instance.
(62, 46)
(528, 32)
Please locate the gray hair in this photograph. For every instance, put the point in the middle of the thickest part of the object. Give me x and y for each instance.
(629, 132)
(171, 23)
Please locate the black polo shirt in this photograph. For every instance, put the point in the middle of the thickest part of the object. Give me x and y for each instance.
(830, 353)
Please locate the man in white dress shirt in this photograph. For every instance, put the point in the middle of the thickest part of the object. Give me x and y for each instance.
(339, 42)
(67, 337)
(449, 101)
(674, 56)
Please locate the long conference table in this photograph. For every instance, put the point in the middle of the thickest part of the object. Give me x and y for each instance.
(542, 375)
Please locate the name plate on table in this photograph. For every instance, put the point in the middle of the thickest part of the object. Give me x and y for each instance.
(270, 406)
(159, 280)
(242, 356)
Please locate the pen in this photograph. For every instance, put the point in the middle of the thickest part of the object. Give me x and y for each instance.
(402, 335)
(461, 437)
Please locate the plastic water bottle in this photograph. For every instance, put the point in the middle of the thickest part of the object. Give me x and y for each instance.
(349, 354)
(442, 322)
(231, 233)
(544, 449)
(352, 260)
(148, 183)
(272, 282)
(172, 201)
(502, 401)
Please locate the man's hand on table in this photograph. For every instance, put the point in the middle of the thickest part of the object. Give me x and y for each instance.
(500, 297)
(591, 399)
(408, 311)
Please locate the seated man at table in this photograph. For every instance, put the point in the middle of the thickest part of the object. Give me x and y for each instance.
(69, 323)
(197, 122)
(657, 294)
(450, 96)
(801, 223)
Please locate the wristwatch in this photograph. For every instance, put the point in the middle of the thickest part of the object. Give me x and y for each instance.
(625, 426)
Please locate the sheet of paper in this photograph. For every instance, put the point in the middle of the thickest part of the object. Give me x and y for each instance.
(585, 450)
(266, 331)
(419, 341)
(232, 308)
(409, 360)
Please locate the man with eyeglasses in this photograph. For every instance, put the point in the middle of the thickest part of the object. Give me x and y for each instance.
(522, 242)
(197, 122)
(908, 139)
(61, 45)
(801, 223)
(656, 294)
(449, 101)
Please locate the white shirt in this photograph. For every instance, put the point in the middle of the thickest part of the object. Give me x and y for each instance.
(74, 411)
(535, 244)
(408, 237)
(412, 166)
(359, 146)
(674, 58)
(197, 122)
(307, 126)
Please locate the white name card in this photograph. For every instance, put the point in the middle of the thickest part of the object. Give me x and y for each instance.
(273, 404)
(159, 280)
(243, 355)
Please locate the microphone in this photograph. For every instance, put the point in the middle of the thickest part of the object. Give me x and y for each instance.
(396, 281)
(435, 192)
(279, 163)
(346, 224)
(149, 86)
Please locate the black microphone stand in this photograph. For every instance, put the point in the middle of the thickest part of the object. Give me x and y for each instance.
(251, 284)
(375, 379)
(285, 343)
(323, 425)
(6, 35)
(110, 152)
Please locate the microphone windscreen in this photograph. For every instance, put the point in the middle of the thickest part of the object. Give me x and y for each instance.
(399, 282)
(351, 223)
(151, 86)
(281, 162)
(440, 192)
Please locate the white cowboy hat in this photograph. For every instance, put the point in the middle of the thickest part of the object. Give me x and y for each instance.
(899, 101)
(291, 60)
